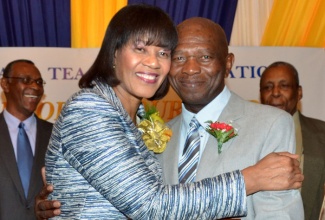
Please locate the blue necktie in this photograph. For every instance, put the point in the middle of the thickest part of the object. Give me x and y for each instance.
(188, 162)
(24, 157)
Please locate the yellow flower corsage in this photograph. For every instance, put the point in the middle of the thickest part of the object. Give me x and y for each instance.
(155, 133)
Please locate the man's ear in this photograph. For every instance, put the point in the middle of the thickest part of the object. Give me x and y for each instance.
(229, 62)
(299, 93)
(4, 85)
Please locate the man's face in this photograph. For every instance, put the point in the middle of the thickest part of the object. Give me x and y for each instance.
(22, 99)
(198, 67)
(279, 88)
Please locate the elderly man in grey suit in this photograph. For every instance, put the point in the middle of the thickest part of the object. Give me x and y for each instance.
(280, 87)
(200, 64)
(20, 176)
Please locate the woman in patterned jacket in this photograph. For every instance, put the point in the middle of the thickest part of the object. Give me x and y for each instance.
(97, 160)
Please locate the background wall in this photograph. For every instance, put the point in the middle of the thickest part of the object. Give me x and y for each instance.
(63, 67)
(38, 29)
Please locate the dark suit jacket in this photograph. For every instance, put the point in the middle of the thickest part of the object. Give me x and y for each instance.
(313, 138)
(13, 204)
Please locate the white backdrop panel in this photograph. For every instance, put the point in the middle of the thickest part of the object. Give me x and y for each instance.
(62, 68)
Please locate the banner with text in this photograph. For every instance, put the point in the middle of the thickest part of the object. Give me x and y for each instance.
(61, 68)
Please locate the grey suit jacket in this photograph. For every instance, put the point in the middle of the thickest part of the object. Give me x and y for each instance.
(13, 204)
(313, 137)
(261, 130)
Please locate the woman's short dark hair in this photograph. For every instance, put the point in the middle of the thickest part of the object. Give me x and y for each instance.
(131, 22)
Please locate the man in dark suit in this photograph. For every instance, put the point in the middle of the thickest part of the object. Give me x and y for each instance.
(279, 87)
(22, 85)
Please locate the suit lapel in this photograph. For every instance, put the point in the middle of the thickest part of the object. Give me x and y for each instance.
(7, 155)
(209, 159)
(314, 163)
(169, 159)
(311, 143)
(233, 111)
(42, 139)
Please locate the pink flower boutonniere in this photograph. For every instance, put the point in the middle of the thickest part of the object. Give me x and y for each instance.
(223, 132)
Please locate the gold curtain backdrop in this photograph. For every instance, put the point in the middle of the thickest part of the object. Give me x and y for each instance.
(298, 23)
(89, 20)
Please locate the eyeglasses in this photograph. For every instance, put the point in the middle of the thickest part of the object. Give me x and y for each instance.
(28, 80)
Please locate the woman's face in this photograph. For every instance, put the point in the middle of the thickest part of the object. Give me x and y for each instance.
(141, 69)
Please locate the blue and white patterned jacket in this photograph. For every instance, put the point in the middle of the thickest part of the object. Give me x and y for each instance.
(101, 169)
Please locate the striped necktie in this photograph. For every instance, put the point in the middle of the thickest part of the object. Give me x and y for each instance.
(24, 157)
(188, 162)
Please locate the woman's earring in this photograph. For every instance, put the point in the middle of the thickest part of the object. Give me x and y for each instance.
(113, 66)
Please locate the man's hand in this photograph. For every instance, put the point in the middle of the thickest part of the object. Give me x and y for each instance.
(44, 208)
(276, 171)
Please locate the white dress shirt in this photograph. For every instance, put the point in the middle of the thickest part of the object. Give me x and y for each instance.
(30, 128)
(208, 113)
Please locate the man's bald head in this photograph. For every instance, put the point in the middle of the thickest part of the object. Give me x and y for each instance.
(198, 26)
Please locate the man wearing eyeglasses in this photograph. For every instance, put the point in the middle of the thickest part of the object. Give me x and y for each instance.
(23, 140)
